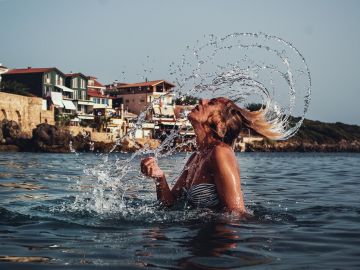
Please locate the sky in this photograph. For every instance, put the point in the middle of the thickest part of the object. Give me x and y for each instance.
(130, 40)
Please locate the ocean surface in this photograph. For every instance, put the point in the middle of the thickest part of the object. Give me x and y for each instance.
(89, 211)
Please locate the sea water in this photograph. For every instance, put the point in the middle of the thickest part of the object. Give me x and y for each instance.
(304, 214)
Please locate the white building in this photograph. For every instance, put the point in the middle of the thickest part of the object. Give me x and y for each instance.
(3, 69)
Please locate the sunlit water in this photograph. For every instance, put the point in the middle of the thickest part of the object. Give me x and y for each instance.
(305, 215)
(247, 68)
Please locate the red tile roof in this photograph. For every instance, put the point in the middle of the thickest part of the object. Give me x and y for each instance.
(96, 93)
(30, 70)
(144, 84)
(76, 75)
(98, 84)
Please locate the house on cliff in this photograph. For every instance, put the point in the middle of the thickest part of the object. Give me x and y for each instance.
(3, 69)
(39, 81)
(47, 83)
(137, 96)
(78, 82)
(96, 93)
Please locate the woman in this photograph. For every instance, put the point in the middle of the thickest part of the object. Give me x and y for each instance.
(211, 176)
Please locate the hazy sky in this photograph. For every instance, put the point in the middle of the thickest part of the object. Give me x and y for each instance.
(119, 39)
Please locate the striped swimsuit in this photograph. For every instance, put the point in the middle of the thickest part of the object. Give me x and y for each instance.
(202, 195)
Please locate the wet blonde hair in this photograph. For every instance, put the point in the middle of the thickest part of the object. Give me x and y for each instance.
(227, 124)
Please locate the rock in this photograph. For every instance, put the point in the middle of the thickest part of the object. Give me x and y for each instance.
(10, 131)
(148, 143)
(9, 148)
(103, 147)
(49, 138)
(129, 145)
(2, 140)
(81, 142)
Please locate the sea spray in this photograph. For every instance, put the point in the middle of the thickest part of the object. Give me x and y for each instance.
(248, 68)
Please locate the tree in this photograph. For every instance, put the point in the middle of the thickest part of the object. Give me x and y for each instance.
(187, 100)
(254, 106)
(15, 87)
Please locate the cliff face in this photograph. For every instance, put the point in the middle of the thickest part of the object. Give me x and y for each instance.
(51, 139)
(315, 136)
(297, 146)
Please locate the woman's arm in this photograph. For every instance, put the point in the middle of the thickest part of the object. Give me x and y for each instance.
(167, 197)
(227, 178)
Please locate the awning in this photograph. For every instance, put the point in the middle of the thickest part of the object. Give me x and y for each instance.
(88, 103)
(64, 88)
(44, 105)
(86, 117)
(99, 106)
(69, 105)
(56, 98)
(148, 125)
(169, 123)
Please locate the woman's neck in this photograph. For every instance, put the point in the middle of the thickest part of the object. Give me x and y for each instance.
(205, 142)
(204, 138)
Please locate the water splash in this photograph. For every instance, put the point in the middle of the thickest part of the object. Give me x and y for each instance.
(245, 67)
(249, 68)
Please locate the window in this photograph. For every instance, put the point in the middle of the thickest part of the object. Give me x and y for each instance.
(82, 83)
(47, 78)
(83, 95)
(74, 83)
(76, 96)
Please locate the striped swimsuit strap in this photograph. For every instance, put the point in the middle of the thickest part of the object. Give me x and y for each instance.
(203, 195)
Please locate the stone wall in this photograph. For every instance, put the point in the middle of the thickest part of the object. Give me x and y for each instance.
(26, 111)
(95, 136)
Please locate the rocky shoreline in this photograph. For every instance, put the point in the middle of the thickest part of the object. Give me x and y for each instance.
(52, 139)
(352, 146)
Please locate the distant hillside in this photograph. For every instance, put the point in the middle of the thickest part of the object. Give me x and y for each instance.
(315, 136)
(324, 133)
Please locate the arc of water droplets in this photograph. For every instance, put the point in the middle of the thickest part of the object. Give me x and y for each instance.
(112, 181)
(277, 115)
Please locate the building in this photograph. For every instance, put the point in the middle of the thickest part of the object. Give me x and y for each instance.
(38, 81)
(137, 96)
(96, 94)
(47, 83)
(78, 82)
(3, 69)
(28, 112)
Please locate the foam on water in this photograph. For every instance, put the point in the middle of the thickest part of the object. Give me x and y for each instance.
(248, 68)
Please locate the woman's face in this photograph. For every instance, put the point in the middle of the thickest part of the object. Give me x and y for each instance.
(205, 108)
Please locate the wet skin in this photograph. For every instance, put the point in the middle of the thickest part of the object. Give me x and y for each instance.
(214, 162)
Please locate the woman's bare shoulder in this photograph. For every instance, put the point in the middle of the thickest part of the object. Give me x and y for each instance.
(222, 150)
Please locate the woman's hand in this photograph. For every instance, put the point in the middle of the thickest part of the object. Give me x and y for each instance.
(150, 168)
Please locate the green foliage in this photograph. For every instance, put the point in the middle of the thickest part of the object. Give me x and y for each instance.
(254, 106)
(187, 100)
(63, 119)
(14, 87)
(102, 122)
(320, 132)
